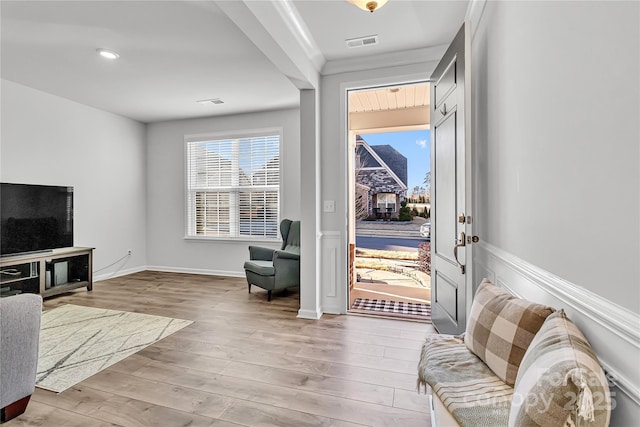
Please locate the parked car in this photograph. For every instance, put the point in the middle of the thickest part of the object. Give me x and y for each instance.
(425, 230)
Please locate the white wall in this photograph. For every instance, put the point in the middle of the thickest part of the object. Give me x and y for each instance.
(167, 248)
(556, 90)
(50, 140)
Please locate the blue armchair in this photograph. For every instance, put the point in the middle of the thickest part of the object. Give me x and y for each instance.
(276, 269)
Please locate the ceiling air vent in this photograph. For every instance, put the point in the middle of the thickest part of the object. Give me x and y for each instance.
(362, 41)
(211, 101)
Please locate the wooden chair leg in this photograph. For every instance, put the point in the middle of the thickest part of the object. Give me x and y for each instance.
(14, 409)
(268, 295)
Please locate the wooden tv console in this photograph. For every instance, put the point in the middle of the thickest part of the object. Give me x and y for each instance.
(47, 273)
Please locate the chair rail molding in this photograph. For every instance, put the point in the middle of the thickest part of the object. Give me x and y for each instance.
(612, 330)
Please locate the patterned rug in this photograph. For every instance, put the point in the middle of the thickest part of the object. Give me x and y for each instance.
(77, 342)
(393, 308)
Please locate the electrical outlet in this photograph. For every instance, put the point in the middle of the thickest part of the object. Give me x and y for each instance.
(129, 251)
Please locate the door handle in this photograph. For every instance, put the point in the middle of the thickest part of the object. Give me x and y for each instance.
(461, 242)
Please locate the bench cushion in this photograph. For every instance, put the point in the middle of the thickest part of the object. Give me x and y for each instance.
(560, 378)
(500, 328)
(473, 394)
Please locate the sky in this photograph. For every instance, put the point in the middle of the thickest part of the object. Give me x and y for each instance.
(414, 145)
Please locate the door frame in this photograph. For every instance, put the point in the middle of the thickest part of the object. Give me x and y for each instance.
(345, 139)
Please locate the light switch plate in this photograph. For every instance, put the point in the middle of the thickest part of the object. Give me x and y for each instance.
(329, 206)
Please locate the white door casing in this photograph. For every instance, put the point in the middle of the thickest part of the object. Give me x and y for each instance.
(451, 195)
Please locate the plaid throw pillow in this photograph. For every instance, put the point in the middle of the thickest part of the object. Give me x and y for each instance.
(560, 381)
(501, 327)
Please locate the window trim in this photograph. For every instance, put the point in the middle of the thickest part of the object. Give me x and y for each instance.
(231, 134)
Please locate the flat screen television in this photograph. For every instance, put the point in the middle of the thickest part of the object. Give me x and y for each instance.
(35, 218)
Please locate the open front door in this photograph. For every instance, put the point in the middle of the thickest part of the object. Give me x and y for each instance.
(451, 283)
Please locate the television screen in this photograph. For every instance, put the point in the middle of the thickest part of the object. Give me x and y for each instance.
(35, 218)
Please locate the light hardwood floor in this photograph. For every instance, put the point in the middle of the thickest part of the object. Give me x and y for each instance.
(243, 362)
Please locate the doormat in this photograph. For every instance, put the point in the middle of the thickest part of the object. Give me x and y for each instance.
(77, 342)
(393, 308)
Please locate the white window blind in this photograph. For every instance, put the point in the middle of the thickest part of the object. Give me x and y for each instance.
(233, 187)
(387, 201)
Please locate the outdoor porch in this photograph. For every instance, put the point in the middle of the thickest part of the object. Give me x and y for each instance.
(388, 267)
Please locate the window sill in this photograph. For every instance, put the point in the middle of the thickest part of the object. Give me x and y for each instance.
(239, 240)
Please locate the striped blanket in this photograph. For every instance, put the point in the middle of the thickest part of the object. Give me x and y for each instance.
(469, 390)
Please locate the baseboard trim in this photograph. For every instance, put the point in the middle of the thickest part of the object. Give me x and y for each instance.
(119, 273)
(333, 309)
(309, 314)
(206, 272)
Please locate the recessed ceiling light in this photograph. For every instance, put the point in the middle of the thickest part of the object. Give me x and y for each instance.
(109, 54)
(210, 101)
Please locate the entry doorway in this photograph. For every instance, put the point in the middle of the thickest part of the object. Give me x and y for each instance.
(389, 201)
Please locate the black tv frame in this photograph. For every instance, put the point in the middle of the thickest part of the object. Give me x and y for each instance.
(35, 218)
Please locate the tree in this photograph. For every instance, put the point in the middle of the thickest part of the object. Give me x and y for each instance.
(404, 214)
(427, 180)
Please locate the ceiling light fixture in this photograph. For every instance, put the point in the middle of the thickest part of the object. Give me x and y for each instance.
(369, 5)
(108, 54)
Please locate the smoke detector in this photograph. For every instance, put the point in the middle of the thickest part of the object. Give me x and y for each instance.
(362, 41)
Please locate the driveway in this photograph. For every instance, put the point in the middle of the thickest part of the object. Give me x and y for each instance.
(402, 244)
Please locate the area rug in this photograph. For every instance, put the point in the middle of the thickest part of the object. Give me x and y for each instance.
(393, 308)
(77, 342)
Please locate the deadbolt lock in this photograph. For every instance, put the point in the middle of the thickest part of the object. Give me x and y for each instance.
(473, 239)
(462, 219)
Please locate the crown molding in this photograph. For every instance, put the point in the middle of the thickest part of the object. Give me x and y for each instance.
(300, 32)
(404, 57)
(474, 14)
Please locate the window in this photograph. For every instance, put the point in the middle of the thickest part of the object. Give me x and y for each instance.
(387, 201)
(233, 186)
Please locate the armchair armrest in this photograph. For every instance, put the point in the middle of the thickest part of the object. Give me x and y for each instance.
(260, 253)
(287, 269)
(285, 255)
(19, 340)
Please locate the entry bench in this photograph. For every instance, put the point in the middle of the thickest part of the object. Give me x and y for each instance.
(518, 364)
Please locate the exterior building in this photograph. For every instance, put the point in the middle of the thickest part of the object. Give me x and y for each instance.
(381, 179)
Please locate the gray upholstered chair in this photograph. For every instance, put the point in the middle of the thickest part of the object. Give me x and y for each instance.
(276, 269)
(19, 338)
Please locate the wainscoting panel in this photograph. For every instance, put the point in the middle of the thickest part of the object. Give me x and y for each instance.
(612, 330)
(332, 285)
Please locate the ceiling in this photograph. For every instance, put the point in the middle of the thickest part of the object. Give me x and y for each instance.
(174, 53)
(389, 98)
(400, 25)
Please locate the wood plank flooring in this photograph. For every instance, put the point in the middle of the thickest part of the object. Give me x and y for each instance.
(243, 362)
